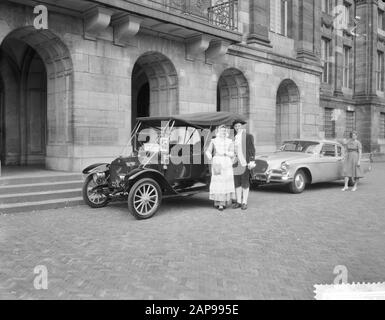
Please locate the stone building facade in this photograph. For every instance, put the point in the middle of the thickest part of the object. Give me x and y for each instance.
(69, 94)
(352, 84)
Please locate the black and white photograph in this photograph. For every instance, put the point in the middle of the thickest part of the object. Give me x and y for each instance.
(211, 151)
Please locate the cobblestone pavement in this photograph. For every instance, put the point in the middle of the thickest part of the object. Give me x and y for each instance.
(280, 248)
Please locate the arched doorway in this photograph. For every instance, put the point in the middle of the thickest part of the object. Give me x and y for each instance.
(287, 112)
(2, 151)
(36, 69)
(25, 120)
(154, 86)
(233, 94)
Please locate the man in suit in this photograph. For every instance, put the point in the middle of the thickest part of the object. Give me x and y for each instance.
(245, 161)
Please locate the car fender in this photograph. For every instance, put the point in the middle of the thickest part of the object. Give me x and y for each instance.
(97, 167)
(304, 167)
(142, 173)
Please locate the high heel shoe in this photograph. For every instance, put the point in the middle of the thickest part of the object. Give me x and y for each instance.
(345, 189)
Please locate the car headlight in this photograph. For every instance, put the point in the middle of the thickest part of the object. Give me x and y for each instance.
(285, 167)
(99, 178)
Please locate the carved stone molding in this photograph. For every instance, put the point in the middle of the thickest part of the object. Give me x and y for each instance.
(197, 45)
(216, 50)
(381, 38)
(126, 28)
(327, 20)
(96, 20)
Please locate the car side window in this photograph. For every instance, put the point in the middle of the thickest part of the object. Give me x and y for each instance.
(184, 135)
(328, 150)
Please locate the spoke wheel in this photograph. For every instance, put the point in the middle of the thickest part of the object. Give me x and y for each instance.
(93, 196)
(144, 198)
(299, 183)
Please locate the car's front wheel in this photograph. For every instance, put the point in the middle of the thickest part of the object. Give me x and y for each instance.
(144, 198)
(299, 182)
(93, 193)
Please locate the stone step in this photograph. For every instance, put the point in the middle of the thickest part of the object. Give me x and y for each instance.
(39, 178)
(40, 205)
(40, 187)
(40, 196)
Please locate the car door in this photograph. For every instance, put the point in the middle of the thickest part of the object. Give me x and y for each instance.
(328, 162)
(179, 167)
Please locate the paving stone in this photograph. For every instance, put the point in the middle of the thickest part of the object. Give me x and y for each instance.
(282, 246)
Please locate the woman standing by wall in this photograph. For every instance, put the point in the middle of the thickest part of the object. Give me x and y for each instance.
(221, 153)
(352, 161)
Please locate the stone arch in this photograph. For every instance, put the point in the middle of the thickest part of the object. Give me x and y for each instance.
(158, 72)
(10, 110)
(2, 144)
(287, 111)
(59, 87)
(233, 93)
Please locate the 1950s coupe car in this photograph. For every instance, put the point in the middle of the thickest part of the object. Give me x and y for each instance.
(164, 158)
(301, 162)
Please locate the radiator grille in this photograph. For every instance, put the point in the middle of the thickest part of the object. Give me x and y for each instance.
(261, 166)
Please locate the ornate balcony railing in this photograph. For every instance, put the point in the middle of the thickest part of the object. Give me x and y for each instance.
(224, 14)
(221, 13)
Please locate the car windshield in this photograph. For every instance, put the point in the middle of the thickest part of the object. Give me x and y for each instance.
(152, 139)
(300, 146)
(155, 139)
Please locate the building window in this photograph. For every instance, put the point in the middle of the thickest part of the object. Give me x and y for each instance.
(325, 59)
(347, 13)
(347, 67)
(382, 125)
(330, 124)
(380, 71)
(279, 16)
(350, 123)
(327, 6)
(381, 21)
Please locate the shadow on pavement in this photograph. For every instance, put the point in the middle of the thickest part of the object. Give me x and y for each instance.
(170, 204)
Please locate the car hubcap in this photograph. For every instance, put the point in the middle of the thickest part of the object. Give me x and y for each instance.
(145, 199)
(299, 181)
(95, 196)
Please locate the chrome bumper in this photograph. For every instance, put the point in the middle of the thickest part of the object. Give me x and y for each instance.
(270, 177)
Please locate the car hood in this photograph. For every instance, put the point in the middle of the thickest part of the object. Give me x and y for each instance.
(275, 159)
(130, 162)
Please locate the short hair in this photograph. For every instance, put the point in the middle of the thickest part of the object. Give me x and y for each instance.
(236, 122)
(352, 133)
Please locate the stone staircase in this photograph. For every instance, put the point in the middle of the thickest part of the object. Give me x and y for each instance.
(39, 190)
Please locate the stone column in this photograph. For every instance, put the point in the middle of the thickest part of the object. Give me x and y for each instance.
(259, 22)
(366, 50)
(306, 30)
(338, 55)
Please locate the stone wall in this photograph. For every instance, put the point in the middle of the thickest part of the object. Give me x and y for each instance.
(89, 106)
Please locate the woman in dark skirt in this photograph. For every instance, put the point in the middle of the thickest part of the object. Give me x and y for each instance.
(352, 161)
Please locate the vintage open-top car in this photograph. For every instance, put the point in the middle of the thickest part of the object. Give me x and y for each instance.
(302, 162)
(164, 158)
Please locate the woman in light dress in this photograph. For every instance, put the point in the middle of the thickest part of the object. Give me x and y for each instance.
(221, 154)
(352, 161)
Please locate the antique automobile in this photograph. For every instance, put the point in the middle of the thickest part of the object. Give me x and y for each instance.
(301, 162)
(164, 158)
